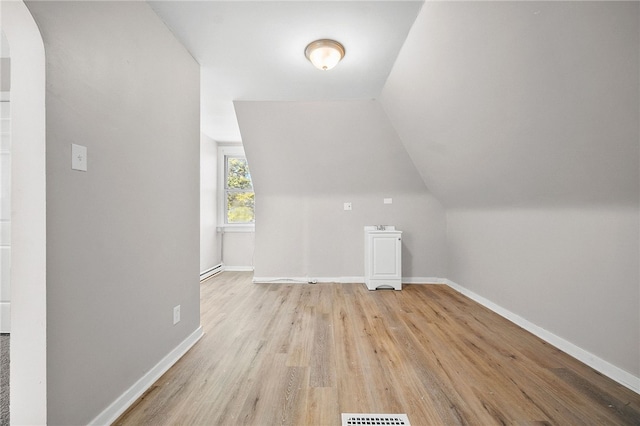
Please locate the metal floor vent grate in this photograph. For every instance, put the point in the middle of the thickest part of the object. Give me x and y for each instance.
(359, 419)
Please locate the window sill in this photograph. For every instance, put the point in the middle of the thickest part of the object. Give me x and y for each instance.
(235, 228)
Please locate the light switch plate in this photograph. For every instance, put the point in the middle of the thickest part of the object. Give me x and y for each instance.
(388, 200)
(176, 315)
(78, 157)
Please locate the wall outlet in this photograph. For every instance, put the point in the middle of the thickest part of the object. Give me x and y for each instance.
(347, 206)
(176, 315)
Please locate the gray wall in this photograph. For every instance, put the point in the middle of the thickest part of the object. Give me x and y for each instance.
(571, 271)
(5, 73)
(307, 159)
(5, 186)
(522, 118)
(238, 250)
(521, 103)
(5, 64)
(122, 238)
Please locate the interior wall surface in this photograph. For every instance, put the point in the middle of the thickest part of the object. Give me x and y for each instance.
(5, 185)
(312, 236)
(122, 237)
(523, 119)
(5, 70)
(521, 104)
(573, 272)
(239, 248)
(210, 254)
(309, 158)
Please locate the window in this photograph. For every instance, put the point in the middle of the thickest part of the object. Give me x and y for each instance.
(237, 196)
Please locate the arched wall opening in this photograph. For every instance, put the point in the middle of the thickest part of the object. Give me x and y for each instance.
(28, 216)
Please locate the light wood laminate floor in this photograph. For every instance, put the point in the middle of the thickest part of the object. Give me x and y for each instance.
(301, 354)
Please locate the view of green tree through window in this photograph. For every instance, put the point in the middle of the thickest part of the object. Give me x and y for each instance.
(239, 191)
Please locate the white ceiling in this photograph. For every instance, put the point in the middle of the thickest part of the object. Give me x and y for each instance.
(254, 50)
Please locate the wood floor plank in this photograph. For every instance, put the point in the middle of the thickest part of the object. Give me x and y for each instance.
(321, 407)
(352, 394)
(301, 347)
(322, 366)
(300, 354)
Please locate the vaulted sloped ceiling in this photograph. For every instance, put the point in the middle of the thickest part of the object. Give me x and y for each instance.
(254, 50)
(521, 103)
(340, 147)
(514, 104)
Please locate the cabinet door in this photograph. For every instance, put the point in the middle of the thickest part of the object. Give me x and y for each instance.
(386, 262)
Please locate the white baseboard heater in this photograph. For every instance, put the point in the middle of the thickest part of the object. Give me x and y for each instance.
(211, 271)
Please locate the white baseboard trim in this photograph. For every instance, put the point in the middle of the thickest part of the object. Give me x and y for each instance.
(307, 280)
(615, 373)
(423, 280)
(238, 268)
(211, 271)
(281, 280)
(342, 280)
(124, 401)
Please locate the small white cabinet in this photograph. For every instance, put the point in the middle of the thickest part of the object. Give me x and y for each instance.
(382, 257)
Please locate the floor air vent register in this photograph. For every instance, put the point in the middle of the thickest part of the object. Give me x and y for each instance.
(358, 419)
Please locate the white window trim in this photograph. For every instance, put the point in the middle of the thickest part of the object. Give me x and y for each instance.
(223, 151)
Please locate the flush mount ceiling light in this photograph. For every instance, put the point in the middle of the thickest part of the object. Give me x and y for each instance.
(324, 54)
